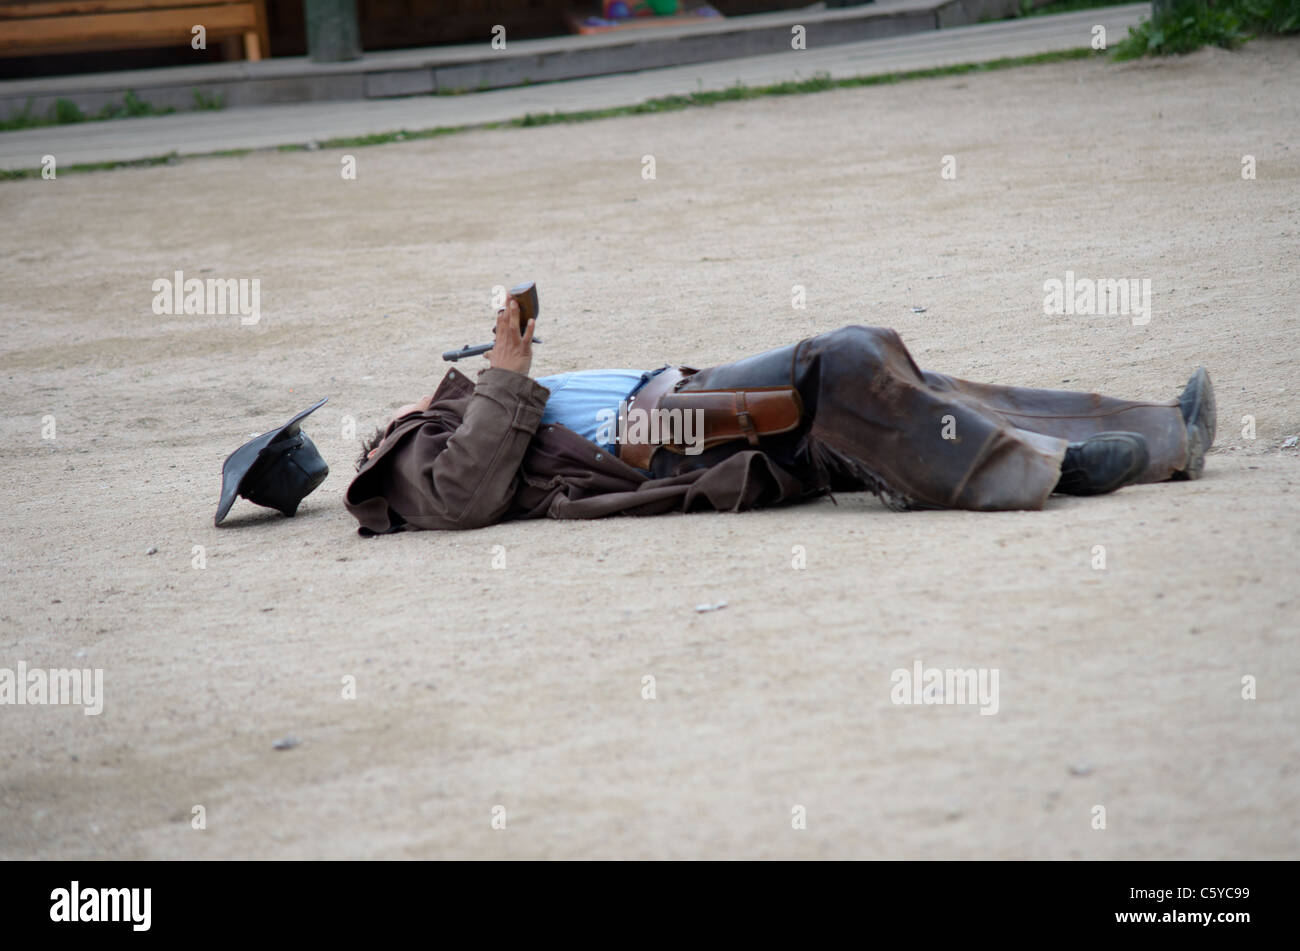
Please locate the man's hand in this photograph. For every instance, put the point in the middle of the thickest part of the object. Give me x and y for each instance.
(512, 350)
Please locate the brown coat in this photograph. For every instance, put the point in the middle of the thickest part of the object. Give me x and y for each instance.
(480, 455)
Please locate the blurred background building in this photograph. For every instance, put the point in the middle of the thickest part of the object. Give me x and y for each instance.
(59, 37)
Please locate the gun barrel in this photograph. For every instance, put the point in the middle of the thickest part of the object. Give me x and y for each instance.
(451, 356)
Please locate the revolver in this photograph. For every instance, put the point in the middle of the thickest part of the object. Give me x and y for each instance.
(526, 295)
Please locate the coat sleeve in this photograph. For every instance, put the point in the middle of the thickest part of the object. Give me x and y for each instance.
(471, 481)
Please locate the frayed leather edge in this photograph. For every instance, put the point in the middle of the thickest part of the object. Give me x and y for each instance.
(828, 462)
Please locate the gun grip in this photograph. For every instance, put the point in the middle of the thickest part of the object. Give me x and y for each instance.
(529, 307)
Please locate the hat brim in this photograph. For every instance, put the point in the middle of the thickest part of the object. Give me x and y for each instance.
(239, 462)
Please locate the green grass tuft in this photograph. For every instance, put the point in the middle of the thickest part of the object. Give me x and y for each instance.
(66, 112)
(206, 103)
(171, 158)
(1188, 25)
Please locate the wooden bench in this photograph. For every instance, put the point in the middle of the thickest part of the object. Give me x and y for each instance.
(33, 27)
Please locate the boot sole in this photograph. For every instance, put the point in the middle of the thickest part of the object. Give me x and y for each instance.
(1202, 423)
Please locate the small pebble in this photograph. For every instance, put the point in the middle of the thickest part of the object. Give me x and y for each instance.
(702, 608)
(1080, 769)
(285, 743)
(151, 550)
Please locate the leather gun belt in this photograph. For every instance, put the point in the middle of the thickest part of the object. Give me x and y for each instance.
(727, 415)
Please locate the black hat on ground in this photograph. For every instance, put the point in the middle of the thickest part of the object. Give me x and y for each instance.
(278, 469)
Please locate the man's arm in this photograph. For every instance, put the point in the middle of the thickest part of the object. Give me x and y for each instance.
(471, 481)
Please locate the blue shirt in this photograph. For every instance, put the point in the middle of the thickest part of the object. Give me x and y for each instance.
(587, 401)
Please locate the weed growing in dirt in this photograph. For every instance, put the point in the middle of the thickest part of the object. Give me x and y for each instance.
(1187, 25)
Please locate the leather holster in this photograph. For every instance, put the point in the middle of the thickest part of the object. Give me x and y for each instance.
(727, 414)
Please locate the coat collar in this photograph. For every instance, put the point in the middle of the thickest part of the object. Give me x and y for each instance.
(454, 386)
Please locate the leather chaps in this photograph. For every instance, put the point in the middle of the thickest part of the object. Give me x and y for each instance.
(850, 410)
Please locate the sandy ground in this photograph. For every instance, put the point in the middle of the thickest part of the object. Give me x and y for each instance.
(522, 688)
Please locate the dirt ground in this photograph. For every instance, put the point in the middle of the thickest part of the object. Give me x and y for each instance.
(522, 688)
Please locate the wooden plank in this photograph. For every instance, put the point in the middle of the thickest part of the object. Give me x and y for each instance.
(258, 43)
(52, 8)
(124, 30)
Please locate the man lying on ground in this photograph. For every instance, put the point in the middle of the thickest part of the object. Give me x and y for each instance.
(846, 410)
